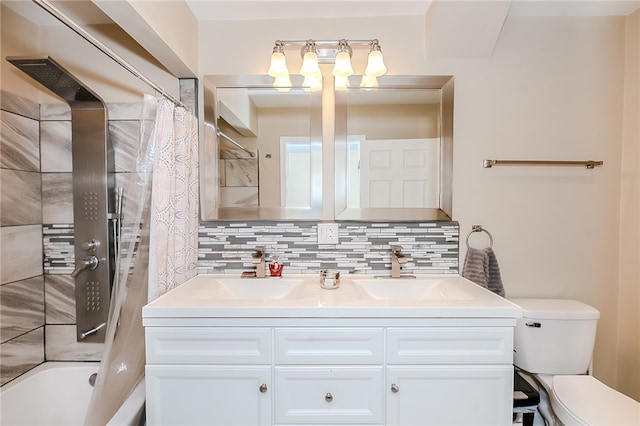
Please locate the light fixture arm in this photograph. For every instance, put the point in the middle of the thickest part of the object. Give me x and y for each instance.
(343, 46)
(375, 45)
(278, 47)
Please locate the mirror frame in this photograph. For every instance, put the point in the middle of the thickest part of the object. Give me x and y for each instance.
(208, 155)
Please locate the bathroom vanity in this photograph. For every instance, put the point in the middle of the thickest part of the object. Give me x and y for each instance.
(433, 350)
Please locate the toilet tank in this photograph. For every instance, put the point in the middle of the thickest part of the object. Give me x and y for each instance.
(554, 336)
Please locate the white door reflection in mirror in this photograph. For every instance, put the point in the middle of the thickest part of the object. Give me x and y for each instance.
(301, 172)
(396, 173)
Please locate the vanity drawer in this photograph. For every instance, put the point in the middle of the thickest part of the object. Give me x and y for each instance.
(301, 346)
(329, 395)
(208, 345)
(450, 345)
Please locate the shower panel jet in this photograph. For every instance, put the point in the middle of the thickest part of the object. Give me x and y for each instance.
(93, 194)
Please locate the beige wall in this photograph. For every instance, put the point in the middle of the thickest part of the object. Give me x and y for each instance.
(628, 349)
(552, 89)
(19, 36)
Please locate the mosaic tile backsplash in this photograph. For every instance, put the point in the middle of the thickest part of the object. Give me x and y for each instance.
(226, 247)
(364, 248)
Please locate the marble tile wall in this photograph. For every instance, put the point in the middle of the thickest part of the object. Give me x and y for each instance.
(238, 179)
(21, 271)
(37, 296)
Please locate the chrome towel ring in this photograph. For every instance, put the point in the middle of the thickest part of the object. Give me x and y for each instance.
(479, 228)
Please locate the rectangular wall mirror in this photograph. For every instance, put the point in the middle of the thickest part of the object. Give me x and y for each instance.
(262, 151)
(262, 154)
(394, 150)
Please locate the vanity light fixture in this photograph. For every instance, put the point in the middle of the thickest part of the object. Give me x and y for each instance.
(338, 52)
(278, 66)
(375, 64)
(310, 66)
(343, 66)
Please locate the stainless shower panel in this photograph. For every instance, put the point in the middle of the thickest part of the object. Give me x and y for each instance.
(93, 194)
(93, 199)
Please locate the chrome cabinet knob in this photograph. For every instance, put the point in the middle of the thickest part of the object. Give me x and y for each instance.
(395, 388)
(328, 397)
(263, 388)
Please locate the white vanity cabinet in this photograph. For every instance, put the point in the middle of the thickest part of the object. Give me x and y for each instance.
(291, 353)
(208, 375)
(287, 375)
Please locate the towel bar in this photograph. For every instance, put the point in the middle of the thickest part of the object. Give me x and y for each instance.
(588, 164)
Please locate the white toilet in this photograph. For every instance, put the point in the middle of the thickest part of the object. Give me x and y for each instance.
(554, 341)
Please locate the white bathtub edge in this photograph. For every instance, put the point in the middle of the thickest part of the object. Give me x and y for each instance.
(133, 407)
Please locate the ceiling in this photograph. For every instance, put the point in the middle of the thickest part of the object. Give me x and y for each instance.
(239, 10)
(208, 10)
(86, 13)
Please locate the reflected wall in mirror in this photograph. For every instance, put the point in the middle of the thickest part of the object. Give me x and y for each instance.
(393, 150)
(266, 163)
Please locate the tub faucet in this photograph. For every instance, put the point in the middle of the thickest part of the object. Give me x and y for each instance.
(397, 259)
(258, 260)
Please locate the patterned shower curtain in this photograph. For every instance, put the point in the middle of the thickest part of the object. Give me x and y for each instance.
(173, 251)
(157, 245)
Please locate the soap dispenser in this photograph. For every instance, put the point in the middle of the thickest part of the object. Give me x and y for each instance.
(275, 267)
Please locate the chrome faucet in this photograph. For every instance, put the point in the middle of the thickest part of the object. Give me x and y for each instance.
(397, 259)
(258, 260)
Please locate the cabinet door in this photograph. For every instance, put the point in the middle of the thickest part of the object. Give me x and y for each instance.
(449, 395)
(208, 395)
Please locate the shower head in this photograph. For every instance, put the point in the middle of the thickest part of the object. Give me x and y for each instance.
(54, 77)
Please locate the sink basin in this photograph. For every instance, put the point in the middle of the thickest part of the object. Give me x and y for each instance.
(415, 289)
(257, 289)
(300, 296)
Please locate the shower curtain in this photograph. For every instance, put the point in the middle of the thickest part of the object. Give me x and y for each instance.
(174, 242)
(157, 248)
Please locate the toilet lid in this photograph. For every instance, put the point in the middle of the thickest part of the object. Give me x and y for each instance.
(585, 400)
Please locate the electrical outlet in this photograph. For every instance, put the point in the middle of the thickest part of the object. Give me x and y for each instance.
(327, 233)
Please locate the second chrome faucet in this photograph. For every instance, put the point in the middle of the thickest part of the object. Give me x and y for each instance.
(258, 259)
(397, 259)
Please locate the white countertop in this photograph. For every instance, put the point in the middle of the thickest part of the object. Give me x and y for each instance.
(200, 298)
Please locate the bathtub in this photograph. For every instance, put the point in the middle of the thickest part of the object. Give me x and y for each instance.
(58, 393)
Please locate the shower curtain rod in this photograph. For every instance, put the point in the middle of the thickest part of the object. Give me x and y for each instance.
(230, 139)
(60, 16)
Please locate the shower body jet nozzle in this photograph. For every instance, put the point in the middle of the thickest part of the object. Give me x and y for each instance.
(93, 192)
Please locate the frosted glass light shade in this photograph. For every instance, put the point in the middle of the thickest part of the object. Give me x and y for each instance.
(375, 65)
(310, 66)
(278, 67)
(282, 83)
(312, 83)
(341, 82)
(343, 67)
(369, 82)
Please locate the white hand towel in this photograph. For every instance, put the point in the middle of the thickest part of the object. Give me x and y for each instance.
(481, 267)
